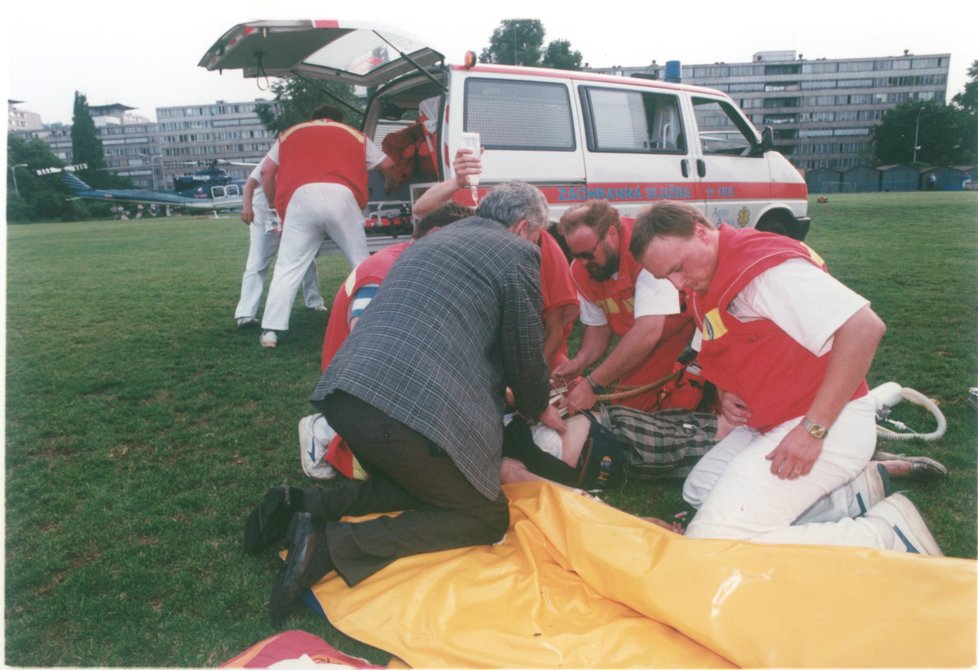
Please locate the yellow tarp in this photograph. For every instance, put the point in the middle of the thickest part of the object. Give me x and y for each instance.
(578, 583)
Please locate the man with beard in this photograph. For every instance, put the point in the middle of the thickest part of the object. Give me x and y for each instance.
(618, 297)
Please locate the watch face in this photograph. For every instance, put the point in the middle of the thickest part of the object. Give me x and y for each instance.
(814, 429)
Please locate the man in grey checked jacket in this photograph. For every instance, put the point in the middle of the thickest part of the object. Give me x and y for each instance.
(417, 391)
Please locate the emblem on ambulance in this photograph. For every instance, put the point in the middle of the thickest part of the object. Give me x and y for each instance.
(743, 217)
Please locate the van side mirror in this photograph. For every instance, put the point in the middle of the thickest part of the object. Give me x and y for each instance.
(767, 139)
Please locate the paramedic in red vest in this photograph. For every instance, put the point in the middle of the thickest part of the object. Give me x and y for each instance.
(618, 298)
(788, 347)
(560, 302)
(321, 451)
(316, 175)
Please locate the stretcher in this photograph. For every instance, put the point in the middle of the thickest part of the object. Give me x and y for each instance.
(578, 583)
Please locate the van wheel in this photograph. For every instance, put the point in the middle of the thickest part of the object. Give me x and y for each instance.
(778, 222)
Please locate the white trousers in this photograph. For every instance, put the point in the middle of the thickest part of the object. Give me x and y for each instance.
(738, 498)
(262, 247)
(315, 212)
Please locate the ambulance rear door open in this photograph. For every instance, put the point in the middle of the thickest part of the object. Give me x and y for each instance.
(359, 54)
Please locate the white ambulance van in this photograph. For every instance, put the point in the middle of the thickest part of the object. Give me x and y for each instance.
(577, 136)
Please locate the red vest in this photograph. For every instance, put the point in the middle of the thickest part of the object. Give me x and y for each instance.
(556, 287)
(372, 270)
(775, 376)
(616, 297)
(320, 151)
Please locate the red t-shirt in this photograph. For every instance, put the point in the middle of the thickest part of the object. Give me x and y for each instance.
(320, 151)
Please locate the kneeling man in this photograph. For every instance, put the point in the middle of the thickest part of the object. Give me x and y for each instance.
(417, 392)
(788, 347)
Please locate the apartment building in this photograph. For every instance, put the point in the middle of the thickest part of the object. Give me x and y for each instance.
(19, 120)
(182, 139)
(196, 135)
(822, 110)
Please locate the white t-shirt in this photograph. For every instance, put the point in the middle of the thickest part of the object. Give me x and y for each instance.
(264, 212)
(802, 300)
(653, 297)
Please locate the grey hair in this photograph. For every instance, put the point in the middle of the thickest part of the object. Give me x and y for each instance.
(513, 201)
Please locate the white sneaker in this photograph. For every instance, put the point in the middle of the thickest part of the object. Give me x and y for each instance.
(869, 488)
(244, 321)
(903, 517)
(314, 438)
(320, 308)
(268, 339)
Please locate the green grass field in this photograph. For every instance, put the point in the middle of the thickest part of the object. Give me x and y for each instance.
(141, 427)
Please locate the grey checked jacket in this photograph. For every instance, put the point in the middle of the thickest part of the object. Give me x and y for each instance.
(456, 321)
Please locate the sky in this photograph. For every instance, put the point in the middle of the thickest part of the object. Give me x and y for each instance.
(145, 55)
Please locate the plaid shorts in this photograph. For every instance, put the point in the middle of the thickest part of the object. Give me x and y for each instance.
(664, 444)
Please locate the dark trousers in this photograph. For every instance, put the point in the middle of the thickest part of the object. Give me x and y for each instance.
(409, 472)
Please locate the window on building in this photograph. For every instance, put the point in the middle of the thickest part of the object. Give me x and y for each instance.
(519, 114)
(855, 83)
(839, 132)
(711, 72)
(856, 66)
(819, 67)
(743, 70)
(818, 83)
(747, 87)
(793, 68)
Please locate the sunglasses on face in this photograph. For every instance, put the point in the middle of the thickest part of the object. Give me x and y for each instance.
(587, 255)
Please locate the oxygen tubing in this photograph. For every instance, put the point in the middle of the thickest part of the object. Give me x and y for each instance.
(917, 398)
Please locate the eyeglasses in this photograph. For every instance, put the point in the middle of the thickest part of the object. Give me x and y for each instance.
(588, 255)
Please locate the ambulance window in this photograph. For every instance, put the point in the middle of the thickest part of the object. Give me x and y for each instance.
(521, 115)
(632, 122)
(723, 130)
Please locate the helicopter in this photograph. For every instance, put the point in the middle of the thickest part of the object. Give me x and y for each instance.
(209, 188)
(199, 183)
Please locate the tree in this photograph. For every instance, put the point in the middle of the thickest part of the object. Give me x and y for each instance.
(86, 147)
(933, 126)
(40, 198)
(515, 42)
(966, 103)
(296, 98)
(560, 56)
(967, 100)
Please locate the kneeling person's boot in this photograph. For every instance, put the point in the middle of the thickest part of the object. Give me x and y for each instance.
(307, 563)
(267, 524)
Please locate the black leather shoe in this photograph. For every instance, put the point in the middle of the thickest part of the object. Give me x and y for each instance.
(267, 524)
(308, 561)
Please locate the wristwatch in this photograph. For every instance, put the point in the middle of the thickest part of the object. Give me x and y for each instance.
(816, 430)
(596, 388)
